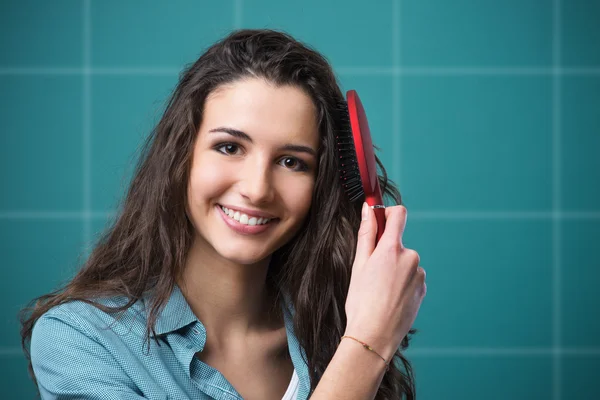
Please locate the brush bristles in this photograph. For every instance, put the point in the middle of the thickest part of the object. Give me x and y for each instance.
(348, 164)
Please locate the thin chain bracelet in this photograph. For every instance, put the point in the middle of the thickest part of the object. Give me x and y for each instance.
(366, 346)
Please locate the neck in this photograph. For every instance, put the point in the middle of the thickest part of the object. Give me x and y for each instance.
(230, 299)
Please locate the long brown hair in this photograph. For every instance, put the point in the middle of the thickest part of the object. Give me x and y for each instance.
(144, 250)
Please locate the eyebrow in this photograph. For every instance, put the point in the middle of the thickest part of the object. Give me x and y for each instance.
(244, 136)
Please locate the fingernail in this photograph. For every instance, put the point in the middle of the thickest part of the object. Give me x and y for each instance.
(365, 211)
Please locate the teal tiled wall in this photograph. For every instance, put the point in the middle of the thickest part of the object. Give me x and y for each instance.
(487, 114)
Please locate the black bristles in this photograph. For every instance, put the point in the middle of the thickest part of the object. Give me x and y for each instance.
(347, 163)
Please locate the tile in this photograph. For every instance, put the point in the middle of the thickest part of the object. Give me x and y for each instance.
(14, 378)
(579, 33)
(349, 33)
(375, 93)
(36, 33)
(41, 139)
(580, 377)
(482, 377)
(580, 143)
(476, 143)
(125, 110)
(579, 281)
(156, 34)
(513, 33)
(489, 282)
(38, 256)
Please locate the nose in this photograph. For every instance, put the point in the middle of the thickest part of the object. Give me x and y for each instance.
(257, 182)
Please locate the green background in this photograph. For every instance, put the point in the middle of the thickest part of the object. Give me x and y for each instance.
(487, 113)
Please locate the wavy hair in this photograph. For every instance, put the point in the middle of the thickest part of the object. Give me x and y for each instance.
(144, 250)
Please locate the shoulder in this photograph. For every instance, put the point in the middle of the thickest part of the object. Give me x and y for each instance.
(72, 353)
(82, 318)
(55, 333)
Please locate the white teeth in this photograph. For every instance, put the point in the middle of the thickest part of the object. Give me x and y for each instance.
(244, 219)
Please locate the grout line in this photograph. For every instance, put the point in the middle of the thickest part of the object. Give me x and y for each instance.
(237, 13)
(11, 351)
(472, 70)
(420, 215)
(577, 71)
(65, 215)
(500, 351)
(370, 71)
(396, 105)
(495, 215)
(41, 71)
(469, 70)
(87, 122)
(348, 71)
(576, 215)
(556, 203)
(138, 71)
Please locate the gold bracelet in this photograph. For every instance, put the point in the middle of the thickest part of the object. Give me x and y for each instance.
(366, 346)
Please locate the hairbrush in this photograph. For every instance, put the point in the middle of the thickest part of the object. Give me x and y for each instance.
(358, 169)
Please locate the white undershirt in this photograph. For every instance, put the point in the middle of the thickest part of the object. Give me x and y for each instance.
(292, 391)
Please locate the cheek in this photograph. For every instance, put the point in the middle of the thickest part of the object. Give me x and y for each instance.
(299, 198)
(206, 181)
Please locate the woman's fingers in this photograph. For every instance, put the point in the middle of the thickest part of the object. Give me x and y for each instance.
(395, 223)
(366, 236)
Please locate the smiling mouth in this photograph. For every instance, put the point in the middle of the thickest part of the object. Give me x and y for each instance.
(244, 219)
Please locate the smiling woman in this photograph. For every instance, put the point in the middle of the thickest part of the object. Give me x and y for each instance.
(236, 265)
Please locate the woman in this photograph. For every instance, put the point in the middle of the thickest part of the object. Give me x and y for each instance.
(237, 262)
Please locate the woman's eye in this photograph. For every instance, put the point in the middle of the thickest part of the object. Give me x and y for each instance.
(289, 162)
(294, 164)
(228, 148)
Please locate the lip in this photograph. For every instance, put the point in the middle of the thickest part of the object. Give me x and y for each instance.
(248, 212)
(241, 228)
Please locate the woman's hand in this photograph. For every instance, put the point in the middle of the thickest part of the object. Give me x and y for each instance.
(387, 285)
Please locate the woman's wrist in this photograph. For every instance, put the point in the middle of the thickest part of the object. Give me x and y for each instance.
(362, 356)
(352, 374)
(377, 343)
(366, 346)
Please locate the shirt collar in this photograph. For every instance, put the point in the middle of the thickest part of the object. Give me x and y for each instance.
(175, 315)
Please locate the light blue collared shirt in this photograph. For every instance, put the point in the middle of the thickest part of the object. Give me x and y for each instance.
(77, 354)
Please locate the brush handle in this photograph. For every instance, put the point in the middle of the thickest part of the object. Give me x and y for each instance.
(376, 203)
(380, 216)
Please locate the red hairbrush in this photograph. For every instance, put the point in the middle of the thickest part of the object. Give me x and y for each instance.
(357, 159)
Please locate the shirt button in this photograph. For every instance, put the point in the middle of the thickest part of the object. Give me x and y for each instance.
(196, 331)
(189, 346)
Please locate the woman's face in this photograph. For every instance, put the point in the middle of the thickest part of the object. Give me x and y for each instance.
(255, 155)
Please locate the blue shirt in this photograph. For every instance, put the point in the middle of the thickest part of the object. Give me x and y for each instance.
(78, 351)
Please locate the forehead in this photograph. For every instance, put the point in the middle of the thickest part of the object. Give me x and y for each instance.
(263, 110)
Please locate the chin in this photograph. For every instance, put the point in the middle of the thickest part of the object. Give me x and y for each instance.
(245, 260)
(241, 257)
